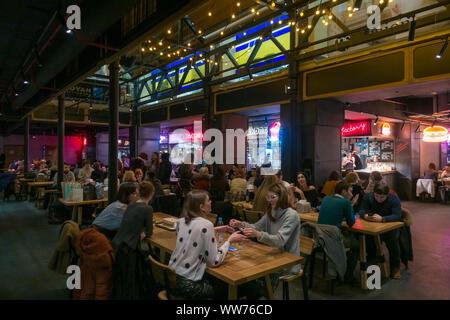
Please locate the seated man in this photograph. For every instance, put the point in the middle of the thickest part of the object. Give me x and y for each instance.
(382, 206)
(333, 211)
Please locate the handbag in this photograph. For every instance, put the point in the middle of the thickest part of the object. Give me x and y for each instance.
(89, 192)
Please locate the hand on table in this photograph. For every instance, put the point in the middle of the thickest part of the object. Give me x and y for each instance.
(252, 233)
(227, 229)
(374, 218)
(238, 237)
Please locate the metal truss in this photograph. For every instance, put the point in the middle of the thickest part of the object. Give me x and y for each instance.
(215, 50)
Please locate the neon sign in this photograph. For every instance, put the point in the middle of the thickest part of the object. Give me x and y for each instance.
(361, 128)
(275, 131)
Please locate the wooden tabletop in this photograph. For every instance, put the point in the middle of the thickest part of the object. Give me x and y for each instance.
(81, 203)
(360, 226)
(40, 184)
(256, 260)
(25, 180)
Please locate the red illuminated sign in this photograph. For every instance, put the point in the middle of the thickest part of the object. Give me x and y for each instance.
(360, 128)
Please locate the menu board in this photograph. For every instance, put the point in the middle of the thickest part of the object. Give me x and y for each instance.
(383, 150)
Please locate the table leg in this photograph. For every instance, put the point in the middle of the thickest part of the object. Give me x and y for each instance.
(80, 215)
(380, 255)
(363, 260)
(74, 213)
(269, 290)
(232, 292)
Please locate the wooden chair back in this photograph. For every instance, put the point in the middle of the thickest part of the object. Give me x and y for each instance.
(212, 217)
(406, 216)
(164, 275)
(252, 216)
(306, 245)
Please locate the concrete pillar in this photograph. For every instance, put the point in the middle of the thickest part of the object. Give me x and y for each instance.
(113, 130)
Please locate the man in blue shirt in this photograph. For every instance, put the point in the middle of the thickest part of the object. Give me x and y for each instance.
(382, 206)
(333, 211)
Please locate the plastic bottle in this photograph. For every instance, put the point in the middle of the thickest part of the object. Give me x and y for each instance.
(220, 233)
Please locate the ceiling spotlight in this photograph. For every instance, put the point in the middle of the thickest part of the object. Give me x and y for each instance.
(442, 50)
(68, 31)
(357, 5)
(25, 81)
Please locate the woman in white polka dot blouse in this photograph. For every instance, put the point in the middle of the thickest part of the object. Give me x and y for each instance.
(196, 249)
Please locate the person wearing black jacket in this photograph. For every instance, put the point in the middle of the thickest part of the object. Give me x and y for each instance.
(131, 277)
(165, 169)
(382, 206)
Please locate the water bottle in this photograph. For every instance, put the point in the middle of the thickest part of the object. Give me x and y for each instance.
(219, 224)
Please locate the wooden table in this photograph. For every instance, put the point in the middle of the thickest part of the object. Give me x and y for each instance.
(363, 227)
(78, 207)
(42, 184)
(256, 260)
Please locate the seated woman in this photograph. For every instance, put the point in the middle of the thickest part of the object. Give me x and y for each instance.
(431, 172)
(358, 193)
(330, 184)
(139, 174)
(303, 190)
(219, 185)
(374, 179)
(97, 175)
(238, 184)
(109, 220)
(278, 228)
(261, 202)
(201, 180)
(197, 249)
(130, 280)
(129, 176)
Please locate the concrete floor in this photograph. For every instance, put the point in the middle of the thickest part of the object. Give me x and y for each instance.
(27, 243)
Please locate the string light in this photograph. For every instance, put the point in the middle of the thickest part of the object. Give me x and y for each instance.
(199, 31)
(272, 4)
(238, 4)
(160, 43)
(169, 31)
(189, 44)
(309, 26)
(253, 10)
(318, 12)
(271, 21)
(233, 16)
(161, 53)
(142, 49)
(149, 41)
(209, 14)
(257, 13)
(301, 14)
(221, 33)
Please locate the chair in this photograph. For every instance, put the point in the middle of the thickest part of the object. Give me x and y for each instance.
(252, 216)
(212, 217)
(306, 249)
(166, 277)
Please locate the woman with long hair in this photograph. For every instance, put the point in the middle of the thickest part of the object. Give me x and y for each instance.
(330, 184)
(304, 190)
(154, 164)
(261, 202)
(278, 228)
(109, 220)
(197, 249)
(219, 185)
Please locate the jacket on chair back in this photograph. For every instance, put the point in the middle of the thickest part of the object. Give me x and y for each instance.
(96, 260)
(65, 252)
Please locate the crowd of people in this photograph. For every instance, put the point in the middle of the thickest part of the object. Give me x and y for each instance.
(127, 221)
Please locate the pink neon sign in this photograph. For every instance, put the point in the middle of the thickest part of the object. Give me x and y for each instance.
(361, 128)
